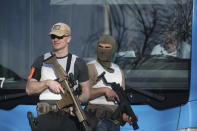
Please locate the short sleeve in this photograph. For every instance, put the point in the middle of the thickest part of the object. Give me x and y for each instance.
(81, 70)
(37, 66)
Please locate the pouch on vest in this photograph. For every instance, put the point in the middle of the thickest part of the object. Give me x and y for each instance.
(43, 108)
(95, 112)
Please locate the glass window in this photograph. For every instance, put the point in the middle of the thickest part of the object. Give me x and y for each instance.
(153, 41)
(15, 48)
(154, 48)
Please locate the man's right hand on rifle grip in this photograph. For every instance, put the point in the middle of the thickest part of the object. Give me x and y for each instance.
(55, 86)
(111, 95)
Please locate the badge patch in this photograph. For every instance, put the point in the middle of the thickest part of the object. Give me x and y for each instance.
(56, 27)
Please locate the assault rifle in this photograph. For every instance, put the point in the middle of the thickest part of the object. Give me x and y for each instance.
(69, 98)
(124, 103)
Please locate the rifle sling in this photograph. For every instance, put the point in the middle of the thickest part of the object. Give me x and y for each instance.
(68, 62)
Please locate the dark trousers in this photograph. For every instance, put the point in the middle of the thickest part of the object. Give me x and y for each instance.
(106, 125)
(57, 121)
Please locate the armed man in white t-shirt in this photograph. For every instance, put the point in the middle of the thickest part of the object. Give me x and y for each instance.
(101, 109)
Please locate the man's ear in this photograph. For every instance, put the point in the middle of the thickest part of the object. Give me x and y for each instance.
(69, 39)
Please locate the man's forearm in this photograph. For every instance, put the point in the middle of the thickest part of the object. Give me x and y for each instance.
(35, 87)
(85, 95)
(84, 98)
(96, 92)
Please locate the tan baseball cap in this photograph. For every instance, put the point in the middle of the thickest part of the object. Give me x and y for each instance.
(60, 29)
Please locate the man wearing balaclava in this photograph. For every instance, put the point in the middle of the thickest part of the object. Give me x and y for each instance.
(101, 109)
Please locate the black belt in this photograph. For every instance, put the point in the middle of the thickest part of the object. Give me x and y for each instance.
(50, 102)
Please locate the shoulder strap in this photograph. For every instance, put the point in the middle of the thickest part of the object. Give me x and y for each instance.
(93, 74)
(68, 62)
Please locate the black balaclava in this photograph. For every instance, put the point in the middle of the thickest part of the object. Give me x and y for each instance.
(104, 56)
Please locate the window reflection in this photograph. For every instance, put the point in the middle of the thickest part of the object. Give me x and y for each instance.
(138, 27)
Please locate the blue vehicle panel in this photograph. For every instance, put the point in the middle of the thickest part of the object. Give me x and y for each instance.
(188, 115)
(154, 120)
(16, 118)
(193, 89)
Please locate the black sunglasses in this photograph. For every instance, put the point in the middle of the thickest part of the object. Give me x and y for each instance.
(58, 37)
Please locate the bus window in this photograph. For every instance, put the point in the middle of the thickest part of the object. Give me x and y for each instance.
(154, 50)
(153, 41)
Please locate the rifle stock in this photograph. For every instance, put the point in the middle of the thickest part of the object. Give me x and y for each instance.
(69, 99)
